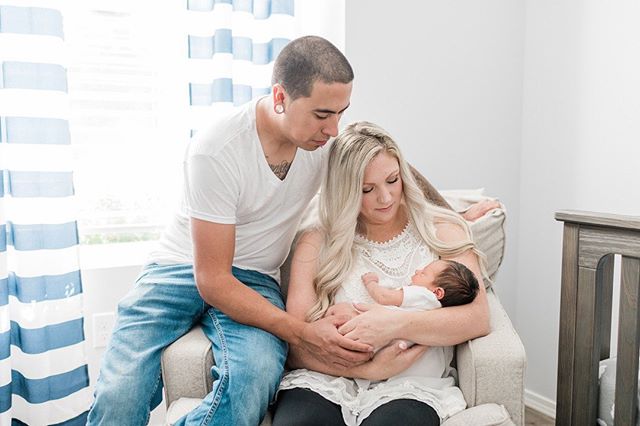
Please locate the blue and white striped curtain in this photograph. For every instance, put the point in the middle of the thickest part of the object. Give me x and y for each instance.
(43, 367)
(232, 46)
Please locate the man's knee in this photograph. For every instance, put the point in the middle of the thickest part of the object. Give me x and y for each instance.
(257, 373)
(260, 369)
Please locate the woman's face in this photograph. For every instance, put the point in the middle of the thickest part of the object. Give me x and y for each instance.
(381, 190)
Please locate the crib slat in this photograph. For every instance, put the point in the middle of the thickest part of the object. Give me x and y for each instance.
(604, 278)
(587, 348)
(628, 343)
(567, 334)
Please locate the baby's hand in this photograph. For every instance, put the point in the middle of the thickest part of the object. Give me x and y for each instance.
(369, 277)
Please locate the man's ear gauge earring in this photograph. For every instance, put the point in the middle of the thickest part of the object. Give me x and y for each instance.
(278, 108)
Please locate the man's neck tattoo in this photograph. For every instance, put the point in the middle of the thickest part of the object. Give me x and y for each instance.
(281, 169)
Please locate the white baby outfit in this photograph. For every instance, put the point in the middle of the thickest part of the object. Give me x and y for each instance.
(429, 380)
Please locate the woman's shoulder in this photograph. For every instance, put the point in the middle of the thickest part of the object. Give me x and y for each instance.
(312, 236)
(310, 241)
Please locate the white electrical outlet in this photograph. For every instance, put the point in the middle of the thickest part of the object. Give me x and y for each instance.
(102, 327)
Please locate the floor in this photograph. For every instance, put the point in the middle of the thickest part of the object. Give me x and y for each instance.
(534, 418)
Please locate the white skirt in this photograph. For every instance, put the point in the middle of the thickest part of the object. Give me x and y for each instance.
(358, 398)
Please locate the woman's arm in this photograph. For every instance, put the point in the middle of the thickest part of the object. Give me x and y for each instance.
(332, 348)
(300, 299)
(439, 327)
(387, 362)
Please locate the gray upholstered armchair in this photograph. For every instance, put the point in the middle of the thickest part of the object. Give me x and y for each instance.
(490, 368)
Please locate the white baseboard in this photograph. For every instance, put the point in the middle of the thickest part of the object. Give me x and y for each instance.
(540, 403)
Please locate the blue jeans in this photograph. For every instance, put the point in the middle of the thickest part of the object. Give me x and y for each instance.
(163, 306)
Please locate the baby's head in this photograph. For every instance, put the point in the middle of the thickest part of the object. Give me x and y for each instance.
(451, 282)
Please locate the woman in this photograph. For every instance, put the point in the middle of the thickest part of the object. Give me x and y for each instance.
(373, 217)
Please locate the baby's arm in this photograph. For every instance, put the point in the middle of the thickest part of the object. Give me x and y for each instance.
(385, 296)
(382, 295)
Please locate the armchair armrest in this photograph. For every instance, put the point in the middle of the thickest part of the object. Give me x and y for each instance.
(491, 368)
(186, 366)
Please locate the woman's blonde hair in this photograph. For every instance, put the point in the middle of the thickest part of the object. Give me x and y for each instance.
(340, 204)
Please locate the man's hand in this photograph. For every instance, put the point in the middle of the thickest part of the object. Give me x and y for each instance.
(479, 209)
(321, 340)
(390, 361)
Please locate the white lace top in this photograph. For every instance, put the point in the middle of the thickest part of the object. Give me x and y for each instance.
(429, 380)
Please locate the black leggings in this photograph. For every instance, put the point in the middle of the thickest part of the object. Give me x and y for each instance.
(302, 407)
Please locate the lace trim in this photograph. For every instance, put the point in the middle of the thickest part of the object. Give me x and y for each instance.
(363, 239)
(393, 261)
(394, 256)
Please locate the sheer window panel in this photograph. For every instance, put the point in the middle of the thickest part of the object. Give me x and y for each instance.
(130, 114)
(128, 101)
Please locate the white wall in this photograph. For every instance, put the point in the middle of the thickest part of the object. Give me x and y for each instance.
(322, 18)
(580, 148)
(445, 79)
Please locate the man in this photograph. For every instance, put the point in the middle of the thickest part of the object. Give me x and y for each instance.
(248, 178)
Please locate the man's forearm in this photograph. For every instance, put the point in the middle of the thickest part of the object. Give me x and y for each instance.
(249, 307)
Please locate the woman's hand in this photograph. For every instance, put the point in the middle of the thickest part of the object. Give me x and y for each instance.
(376, 325)
(344, 309)
(390, 361)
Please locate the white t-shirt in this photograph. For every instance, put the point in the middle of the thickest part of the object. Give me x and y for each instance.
(227, 180)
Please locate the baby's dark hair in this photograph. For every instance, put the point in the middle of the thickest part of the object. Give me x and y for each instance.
(460, 285)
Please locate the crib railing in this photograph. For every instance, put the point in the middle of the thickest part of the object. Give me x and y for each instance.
(589, 243)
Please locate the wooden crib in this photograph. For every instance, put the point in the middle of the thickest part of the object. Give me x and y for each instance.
(590, 241)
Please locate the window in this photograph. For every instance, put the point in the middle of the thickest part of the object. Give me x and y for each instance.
(128, 101)
(128, 78)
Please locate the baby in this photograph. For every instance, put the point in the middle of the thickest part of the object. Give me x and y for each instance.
(440, 283)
